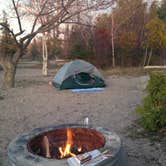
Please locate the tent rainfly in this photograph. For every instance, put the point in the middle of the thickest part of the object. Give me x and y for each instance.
(78, 74)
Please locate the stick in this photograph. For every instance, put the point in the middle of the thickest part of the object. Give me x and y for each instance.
(46, 144)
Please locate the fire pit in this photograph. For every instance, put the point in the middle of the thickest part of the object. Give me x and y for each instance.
(66, 142)
(52, 145)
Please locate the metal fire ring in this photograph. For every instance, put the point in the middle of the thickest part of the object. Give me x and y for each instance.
(20, 156)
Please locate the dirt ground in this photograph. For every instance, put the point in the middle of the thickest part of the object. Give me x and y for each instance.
(34, 103)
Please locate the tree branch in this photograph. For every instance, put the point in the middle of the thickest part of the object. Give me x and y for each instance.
(128, 18)
(18, 17)
(10, 31)
(79, 23)
(64, 7)
(37, 17)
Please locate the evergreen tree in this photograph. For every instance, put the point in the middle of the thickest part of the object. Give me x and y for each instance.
(162, 11)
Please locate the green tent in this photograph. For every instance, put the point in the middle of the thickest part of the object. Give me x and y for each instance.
(78, 74)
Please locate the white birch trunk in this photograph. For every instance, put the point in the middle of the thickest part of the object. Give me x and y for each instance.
(45, 57)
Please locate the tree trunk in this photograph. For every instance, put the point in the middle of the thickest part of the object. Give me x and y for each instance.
(146, 55)
(66, 40)
(9, 74)
(45, 57)
(9, 65)
(163, 60)
(150, 55)
(112, 41)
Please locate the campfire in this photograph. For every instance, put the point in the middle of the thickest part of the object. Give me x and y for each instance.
(66, 142)
(66, 151)
(67, 145)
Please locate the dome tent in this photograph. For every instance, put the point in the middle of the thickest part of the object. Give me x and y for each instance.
(78, 74)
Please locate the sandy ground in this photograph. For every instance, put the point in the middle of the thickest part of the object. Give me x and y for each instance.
(34, 103)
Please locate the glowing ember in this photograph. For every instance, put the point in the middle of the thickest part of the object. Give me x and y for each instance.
(66, 151)
(79, 149)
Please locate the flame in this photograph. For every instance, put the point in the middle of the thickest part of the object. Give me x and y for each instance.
(79, 149)
(66, 151)
(46, 145)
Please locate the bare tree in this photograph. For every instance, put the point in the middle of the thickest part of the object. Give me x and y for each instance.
(112, 39)
(56, 12)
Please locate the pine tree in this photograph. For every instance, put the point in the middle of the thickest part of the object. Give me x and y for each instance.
(162, 11)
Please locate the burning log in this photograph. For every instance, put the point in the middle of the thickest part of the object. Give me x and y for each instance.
(67, 150)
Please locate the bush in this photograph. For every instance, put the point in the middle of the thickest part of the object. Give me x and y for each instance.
(153, 110)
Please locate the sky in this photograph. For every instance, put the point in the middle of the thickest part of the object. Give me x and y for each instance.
(4, 4)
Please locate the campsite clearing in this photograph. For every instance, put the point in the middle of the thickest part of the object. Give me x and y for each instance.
(34, 103)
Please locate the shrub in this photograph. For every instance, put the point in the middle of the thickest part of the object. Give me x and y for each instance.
(153, 110)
